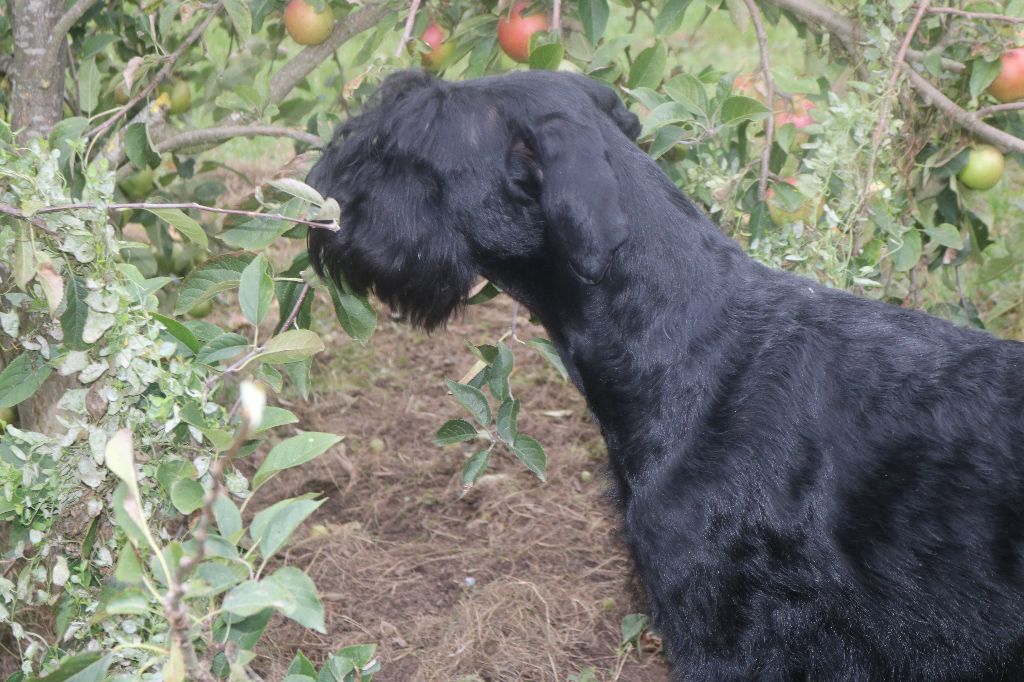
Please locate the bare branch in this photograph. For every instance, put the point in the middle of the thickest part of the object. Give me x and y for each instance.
(15, 213)
(890, 92)
(409, 23)
(983, 16)
(999, 108)
(300, 66)
(556, 17)
(966, 119)
(60, 30)
(219, 134)
(172, 59)
(769, 84)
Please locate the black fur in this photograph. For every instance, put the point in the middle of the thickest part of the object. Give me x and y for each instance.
(814, 485)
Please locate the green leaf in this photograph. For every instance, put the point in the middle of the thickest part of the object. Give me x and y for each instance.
(187, 495)
(665, 139)
(179, 331)
(356, 315)
(91, 667)
(274, 417)
(474, 467)
(633, 626)
(485, 294)
(501, 367)
(455, 431)
(671, 16)
(138, 148)
(95, 44)
(594, 16)
(301, 665)
(947, 235)
(67, 131)
(224, 347)
(185, 225)
(76, 312)
(982, 74)
(130, 602)
(670, 112)
(256, 290)
(546, 57)
(508, 415)
(241, 18)
(689, 92)
(272, 527)
(291, 346)
(299, 189)
(737, 108)
(293, 452)
(227, 516)
(289, 591)
(473, 400)
(550, 353)
(88, 85)
(530, 453)
(255, 234)
(23, 377)
(906, 255)
(648, 68)
(210, 278)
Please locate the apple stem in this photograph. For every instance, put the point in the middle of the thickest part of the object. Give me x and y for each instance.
(410, 21)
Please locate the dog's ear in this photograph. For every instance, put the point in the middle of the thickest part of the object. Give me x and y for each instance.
(579, 195)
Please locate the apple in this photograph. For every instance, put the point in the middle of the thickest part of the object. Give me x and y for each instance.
(121, 95)
(984, 167)
(305, 25)
(1009, 84)
(799, 115)
(138, 185)
(748, 85)
(440, 49)
(7, 415)
(514, 31)
(781, 215)
(179, 94)
(202, 309)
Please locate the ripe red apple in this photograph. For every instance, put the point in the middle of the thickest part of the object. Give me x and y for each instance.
(440, 49)
(514, 31)
(984, 167)
(305, 25)
(799, 115)
(1009, 84)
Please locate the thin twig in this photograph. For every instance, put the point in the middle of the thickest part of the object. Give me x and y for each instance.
(7, 209)
(298, 305)
(556, 17)
(168, 67)
(216, 134)
(887, 97)
(999, 108)
(63, 25)
(769, 83)
(983, 16)
(409, 23)
(183, 205)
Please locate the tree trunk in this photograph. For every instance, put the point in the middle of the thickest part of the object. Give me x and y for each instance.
(37, 98)
(37, 104)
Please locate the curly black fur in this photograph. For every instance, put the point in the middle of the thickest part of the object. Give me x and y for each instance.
(814, 485)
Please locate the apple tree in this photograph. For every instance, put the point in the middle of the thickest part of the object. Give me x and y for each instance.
(875, 146)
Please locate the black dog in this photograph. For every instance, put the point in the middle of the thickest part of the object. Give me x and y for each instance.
(814, 486)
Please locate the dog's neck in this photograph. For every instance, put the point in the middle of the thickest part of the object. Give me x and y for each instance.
(659, 296)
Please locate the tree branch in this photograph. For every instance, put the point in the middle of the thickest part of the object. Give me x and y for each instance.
(556, 17)
(983, 16)
(769, 84)
(218, 134)
(967, 120)
(300, 66)
(191, 40)
(15, 213)
(409, 23)
(999, 108)
(69, 19)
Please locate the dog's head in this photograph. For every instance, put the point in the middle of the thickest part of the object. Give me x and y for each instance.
(439, 182)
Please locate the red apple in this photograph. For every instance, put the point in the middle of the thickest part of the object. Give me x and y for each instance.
(799, 114)
(305, 25)
(440, 49)
(1009, 84)
(748, 85)
(514, 31)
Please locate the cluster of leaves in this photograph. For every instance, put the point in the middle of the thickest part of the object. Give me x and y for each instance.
(107, 556)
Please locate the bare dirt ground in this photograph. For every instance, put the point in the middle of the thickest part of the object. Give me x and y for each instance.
(518, 580)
